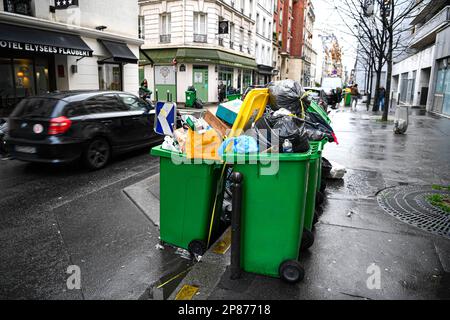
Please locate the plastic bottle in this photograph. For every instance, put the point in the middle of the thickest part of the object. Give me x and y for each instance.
(287, 146)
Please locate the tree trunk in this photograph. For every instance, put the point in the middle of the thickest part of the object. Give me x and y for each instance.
(378, 70)
(370, 83)
(387, 98)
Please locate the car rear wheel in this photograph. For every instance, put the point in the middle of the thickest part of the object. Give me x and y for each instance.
(97, 154)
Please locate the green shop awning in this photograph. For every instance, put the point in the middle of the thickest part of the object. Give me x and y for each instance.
(159, 56)
(230, 59)
(194, 55)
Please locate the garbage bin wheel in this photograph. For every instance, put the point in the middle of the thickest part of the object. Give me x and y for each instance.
(319, 198)
(291, 271)
(307, 240)
(197, 247)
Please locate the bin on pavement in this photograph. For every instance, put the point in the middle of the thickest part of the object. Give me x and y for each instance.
(347, 99)
(187, 193)
(234, 96)
(273, 206)
(191, 97)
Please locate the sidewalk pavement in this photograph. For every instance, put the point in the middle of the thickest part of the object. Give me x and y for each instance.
(354, 232)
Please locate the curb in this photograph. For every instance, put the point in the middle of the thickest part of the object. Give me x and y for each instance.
(204, 276)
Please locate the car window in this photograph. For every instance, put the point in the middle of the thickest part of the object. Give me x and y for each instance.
(35, 108)
(133, 103)
(74, 109)
(103, 104)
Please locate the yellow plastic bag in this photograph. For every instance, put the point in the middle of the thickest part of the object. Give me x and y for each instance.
(203, 146)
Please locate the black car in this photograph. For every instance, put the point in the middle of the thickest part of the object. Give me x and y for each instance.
(3, 131)
(87, 125)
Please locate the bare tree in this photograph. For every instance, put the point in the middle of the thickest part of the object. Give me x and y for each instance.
(381, 31)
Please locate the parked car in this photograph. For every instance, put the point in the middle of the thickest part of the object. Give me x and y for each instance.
(333, 89)
(88, 125)
(3, 132)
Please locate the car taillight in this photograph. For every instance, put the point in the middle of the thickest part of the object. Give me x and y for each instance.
(59, 125)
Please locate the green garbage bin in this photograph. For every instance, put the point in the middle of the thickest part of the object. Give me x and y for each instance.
(314, 107)
(273, 207)
(348, 99)
(235, 96)
(319, 178)
(187, 193)
(191, 96)
(313, 181)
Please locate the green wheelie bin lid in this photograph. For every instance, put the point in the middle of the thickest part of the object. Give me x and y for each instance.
(314, 107)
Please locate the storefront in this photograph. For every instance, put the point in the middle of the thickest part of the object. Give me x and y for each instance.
(35, 61)
(442, 88)
(172, 71)
(263, 75)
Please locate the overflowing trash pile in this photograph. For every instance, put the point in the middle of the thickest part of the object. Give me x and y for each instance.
(288, 123)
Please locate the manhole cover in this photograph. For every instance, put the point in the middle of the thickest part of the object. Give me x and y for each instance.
(410, 204)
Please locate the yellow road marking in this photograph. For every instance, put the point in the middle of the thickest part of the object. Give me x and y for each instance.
(224, 244)
(186, 293)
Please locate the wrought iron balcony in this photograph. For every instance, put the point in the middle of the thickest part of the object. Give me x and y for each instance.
(203, 38)
(427, 33)
(164, 38)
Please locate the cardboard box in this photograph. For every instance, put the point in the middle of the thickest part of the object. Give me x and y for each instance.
(216, 123)
(228, 111)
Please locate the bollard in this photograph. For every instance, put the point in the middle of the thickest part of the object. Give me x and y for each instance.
(237, 179)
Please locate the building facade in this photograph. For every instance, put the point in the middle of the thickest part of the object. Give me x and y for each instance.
(422, 76)
(198, 43)
(48, 45)
(263, 44)
(293, 31)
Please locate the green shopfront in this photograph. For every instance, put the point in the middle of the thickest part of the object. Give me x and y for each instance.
(171, 71)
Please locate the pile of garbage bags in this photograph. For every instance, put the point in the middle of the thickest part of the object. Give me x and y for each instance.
(287, 126)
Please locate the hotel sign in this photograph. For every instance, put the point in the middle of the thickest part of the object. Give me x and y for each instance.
(64, 4)
(40, 48)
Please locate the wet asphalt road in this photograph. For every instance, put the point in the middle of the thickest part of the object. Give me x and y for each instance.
(52, 217)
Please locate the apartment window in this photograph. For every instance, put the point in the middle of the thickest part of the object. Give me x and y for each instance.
(242, 40)
(264, 27)
(18, 6)
(257, 23)
(141, 27)
(164, 28)
(200, 27)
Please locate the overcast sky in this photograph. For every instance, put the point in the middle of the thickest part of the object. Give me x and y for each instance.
(329, 21)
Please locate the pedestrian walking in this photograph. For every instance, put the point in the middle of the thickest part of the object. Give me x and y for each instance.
(144, 92)
(354, 92)
(381, 98)
(222, 91)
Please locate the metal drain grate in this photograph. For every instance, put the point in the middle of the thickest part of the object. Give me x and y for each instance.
(409, 204)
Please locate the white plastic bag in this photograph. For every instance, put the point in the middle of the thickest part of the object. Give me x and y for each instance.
(337, 171)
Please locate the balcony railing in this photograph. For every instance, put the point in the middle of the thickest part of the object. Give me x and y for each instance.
(231, 45)
(164, 38)
(220, 42)
(18, 6)
(203, 38)
(431, 26)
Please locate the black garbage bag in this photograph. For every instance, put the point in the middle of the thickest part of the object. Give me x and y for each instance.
(198, 104)
(314, 133)
(285, 94)
(271, 131)
(326, 168)
(320, 124)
